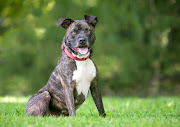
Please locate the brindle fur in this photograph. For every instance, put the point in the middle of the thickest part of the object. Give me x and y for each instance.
(59, 96)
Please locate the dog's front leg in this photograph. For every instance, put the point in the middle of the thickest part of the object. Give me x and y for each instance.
(68, 93)
(97, 98)
(69, 101)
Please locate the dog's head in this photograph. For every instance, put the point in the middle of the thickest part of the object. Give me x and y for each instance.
(80, 34)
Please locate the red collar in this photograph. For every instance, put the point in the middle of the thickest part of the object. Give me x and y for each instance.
(71, 55)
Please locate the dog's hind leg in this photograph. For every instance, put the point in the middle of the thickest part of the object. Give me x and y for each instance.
(38, 104)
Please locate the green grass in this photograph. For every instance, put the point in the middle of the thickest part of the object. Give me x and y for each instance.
(130, 111)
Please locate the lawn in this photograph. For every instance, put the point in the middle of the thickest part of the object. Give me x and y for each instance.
(125, 111)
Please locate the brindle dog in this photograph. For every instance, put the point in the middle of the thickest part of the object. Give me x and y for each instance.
(68, 85)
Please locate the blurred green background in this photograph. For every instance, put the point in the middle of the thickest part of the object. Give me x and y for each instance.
(137, 49)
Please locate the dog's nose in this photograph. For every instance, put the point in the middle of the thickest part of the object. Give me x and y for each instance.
(82, 40)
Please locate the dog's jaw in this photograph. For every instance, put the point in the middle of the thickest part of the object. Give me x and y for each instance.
(81, 56)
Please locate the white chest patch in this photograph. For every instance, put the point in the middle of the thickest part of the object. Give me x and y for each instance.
(83, 76)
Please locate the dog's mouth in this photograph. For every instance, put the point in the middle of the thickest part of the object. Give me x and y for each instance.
(81, 50)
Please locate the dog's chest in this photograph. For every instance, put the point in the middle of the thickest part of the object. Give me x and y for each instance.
(83, 76)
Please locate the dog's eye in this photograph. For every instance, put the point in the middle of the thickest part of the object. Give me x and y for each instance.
(89, 31)
(73, 32)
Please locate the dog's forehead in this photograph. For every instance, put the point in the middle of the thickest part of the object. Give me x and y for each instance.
(79, 24)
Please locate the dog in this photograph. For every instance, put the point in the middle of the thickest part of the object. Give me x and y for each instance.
(75, 73)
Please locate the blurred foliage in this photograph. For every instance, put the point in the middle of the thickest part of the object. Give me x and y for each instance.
(137, 47)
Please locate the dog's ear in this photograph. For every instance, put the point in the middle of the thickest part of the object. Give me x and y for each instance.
(91, 20)
(65, 23)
